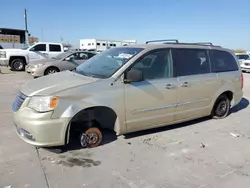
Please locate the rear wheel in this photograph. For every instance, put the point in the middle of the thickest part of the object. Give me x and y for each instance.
(90, 138)
(51, 70)
(221, 108)
(17, 65)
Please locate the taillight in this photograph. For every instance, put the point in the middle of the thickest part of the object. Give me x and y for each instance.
(242, 81)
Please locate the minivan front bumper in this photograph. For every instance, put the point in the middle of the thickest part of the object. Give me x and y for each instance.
(39, 129)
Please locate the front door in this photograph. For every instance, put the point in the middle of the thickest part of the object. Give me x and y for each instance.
(81, 57)
(37, 52)
(152, 102)
(69, 63)
(196, 84)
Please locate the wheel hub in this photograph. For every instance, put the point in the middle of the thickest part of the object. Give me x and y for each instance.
(18, 65)
(222, 108)
(51, 71)
(92, 138)
(89, 139)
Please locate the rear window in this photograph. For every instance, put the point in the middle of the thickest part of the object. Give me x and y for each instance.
(222, 61)
(1, 47)
(54, 48)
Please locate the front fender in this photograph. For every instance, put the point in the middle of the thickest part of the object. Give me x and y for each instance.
(69, 109)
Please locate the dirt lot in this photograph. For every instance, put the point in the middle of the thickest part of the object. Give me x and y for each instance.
(198, 154)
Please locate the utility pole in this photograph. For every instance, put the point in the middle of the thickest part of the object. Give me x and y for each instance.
(26, 28)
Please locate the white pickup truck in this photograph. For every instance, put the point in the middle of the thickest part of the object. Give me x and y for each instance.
(17, 59)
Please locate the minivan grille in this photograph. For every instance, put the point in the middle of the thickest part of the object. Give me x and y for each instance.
(20, 98)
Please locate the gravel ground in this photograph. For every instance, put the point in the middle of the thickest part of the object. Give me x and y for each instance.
(200, 154)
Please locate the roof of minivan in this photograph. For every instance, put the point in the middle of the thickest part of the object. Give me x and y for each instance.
(176, 45)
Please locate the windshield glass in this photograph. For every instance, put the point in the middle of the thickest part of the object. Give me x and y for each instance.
(62, 55)
(105, 64)
(243, 56)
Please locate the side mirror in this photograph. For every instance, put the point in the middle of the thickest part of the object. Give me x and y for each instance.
(133, 75)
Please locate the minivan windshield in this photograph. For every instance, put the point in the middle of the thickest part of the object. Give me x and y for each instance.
(105, 64)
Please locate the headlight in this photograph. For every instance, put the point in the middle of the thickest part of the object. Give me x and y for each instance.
(38, 65)
(2, 54)
(43, 104)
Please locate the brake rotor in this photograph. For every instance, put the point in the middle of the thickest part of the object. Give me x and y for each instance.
(94, 137)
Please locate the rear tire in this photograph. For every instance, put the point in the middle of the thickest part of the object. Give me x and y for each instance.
(221, 107)
(17, 65)
(51, 70)
(90, 138)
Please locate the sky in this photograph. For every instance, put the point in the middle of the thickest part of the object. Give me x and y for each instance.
(222, 22)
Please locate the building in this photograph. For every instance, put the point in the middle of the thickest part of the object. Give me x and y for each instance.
(103, 44)
(14, 38)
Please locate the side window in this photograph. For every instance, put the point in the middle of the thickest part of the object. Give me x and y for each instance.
(73, 56)
(222, 61)
(55, 48)
(90, 55)
(155, 65)
(191, 61)
(39, 47)
(82, 56)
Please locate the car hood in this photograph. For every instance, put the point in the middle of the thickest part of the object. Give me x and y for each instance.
(12, 50)
(51, 84)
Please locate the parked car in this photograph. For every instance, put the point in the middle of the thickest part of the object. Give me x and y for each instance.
(128, 89)
(245, 65)
(242, 57)
(62, 62)
(17, 59)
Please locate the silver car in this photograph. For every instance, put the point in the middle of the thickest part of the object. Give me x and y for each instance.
(62, 62)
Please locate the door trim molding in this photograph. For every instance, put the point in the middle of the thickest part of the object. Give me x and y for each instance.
(154, 108)
(169, 106)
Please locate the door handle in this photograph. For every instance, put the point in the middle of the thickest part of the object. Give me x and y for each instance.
(170, 86)
(185, 84)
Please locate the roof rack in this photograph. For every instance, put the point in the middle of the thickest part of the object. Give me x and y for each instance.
(167, 40)
(202, 44)
(175, 41)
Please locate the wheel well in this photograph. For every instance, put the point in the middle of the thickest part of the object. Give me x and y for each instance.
(100, 116)
(51, 67)
(229, 94)
(17, 57)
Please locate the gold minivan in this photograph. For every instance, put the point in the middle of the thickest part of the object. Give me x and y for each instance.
(128, 89)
